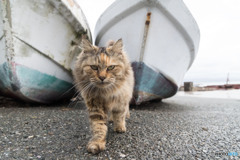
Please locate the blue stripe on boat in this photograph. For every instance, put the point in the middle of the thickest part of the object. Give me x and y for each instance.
(32, 85)
(150, 85)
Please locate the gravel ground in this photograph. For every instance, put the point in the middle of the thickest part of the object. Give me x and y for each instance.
(176, 128)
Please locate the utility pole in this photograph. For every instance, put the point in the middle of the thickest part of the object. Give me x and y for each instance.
(227, 79)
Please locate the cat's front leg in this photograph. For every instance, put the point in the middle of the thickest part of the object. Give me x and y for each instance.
(98, 120)
(110, 116)
(119, 118)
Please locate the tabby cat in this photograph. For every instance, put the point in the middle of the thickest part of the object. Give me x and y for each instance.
(104, 77)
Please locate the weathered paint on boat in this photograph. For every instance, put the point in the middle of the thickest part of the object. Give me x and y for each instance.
(150, 84)
(161, 39)
(37, 48)
(21, 84)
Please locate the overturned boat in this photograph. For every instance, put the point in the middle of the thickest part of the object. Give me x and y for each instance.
(161, 39)
(37, 41)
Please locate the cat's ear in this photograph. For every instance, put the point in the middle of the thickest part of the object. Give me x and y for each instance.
(117, 47)
(86, 45)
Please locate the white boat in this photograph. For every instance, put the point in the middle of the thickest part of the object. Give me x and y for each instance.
(161, 39)
(36, 47)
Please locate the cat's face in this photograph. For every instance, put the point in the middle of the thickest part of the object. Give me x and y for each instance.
(103, 67)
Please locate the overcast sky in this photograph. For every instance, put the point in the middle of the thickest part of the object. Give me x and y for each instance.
(219, 51)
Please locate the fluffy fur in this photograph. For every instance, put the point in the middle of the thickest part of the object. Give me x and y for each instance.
(104, 77)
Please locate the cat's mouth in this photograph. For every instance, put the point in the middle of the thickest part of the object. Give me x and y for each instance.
(103, 84)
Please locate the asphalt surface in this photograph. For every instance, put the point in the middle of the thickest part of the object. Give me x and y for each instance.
(176, 128)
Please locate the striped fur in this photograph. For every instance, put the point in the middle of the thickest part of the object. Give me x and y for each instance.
(106, 90)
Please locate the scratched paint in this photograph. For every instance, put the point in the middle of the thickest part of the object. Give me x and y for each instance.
(40, 80)
(42, 88)
(8, 82)
(145, 35)
(4, 75)
(150, 84)
(38, 61)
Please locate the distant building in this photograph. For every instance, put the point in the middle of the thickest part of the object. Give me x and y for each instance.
(225, 86)
(188, 86)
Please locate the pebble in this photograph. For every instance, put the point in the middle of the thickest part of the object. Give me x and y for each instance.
(205, 151)
(205, 129)
(122, 155)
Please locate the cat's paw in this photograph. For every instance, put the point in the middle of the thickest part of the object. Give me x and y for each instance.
(120, 129)
(95, 146)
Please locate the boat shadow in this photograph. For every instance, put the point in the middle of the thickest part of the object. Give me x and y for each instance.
(160, 105)
(6, 102)
(155, 105)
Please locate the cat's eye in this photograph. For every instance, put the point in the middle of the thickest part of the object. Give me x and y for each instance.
(94, 67)
(110, 68)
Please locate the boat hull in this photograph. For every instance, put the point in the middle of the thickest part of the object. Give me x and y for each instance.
(162, 36)
(38, 48)
(43, 88)
(150, 84)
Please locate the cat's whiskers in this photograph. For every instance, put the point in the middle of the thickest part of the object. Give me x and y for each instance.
(76, 94)
(85, 88)
(93, 81)
(110, 87)
(90, 90)
(112, 80)
(69, 89)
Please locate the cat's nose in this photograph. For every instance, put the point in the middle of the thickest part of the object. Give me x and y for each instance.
(101, 78)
